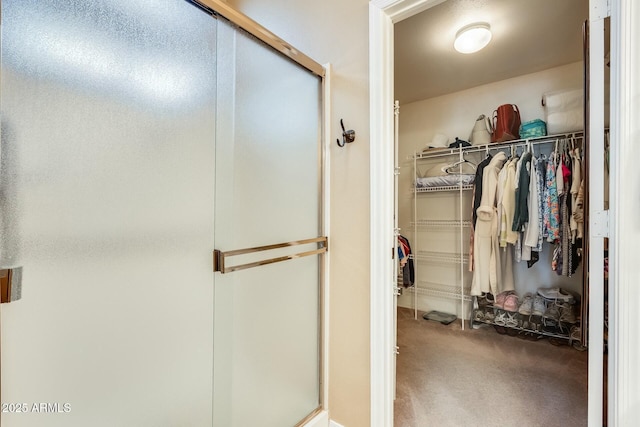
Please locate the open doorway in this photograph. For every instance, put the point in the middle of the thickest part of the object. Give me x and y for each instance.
(442, 94)
(397, 12)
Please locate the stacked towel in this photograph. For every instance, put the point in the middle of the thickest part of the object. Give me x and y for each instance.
(564, 111)
(565, 121)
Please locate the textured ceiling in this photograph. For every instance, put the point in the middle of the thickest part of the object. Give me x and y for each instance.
(528, 36)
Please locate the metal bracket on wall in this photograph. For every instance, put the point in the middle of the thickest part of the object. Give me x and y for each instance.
(600, 224)
(600, 9)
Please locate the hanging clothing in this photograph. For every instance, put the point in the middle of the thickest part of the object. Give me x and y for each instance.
(564, 264)
(559, 175)
(552, 208)
(525, 251)
(502, 227)
(521, 215)
(487, 274)
(531, 228)
(566, 218)
(555, 261)
(472, 233)
(475, 203)
(507, 281)
(403, 252)
(509, 204)
(477, 186)
(578, 213)
(518, 167)
(531, 231)
(576, 180)
(406, 262)
(506, 258)
(562, 267)
(541, 168)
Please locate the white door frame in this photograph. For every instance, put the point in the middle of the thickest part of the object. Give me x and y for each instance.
(624, 292)
(624, 345)
(382, 15)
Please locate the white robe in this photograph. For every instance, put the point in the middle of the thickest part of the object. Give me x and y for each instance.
(486, 251)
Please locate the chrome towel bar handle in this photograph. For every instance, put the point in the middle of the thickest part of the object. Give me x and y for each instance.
(220, 257)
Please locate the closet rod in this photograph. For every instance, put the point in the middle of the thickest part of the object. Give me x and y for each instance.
(501, 145)
(497, 147)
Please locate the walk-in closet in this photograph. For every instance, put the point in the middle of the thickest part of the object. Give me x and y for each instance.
(492, 254)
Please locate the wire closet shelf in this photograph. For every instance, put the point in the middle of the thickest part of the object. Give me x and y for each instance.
(461, 292)
(496, 146)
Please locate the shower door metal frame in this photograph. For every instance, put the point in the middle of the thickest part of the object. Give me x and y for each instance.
(219, 9)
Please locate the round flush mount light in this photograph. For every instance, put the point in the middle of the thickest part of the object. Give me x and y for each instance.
(472, 38)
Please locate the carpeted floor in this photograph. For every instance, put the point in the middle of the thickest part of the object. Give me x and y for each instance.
(449, 377)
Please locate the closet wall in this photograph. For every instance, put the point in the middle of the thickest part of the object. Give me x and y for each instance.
(454, 115)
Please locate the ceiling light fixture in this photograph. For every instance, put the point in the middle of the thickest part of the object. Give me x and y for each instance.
(473, 37)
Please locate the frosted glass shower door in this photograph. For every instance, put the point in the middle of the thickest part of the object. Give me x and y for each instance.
(107, 193)
(268, 174)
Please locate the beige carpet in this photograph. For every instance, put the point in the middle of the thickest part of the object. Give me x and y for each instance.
(449, 377)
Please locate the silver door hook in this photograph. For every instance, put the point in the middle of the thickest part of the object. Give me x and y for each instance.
(348, 136)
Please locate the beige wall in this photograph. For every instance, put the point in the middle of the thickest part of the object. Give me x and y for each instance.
(454, 114)
(336, 32)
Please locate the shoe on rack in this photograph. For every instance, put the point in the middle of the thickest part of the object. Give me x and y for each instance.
(511, 302)
(489, 316)
(575, 337)
(576, 333)
(512, 320)
(480, 302)
(489, 297)
(567, 314)
(539, 306)
(552, 315)
(527, 304)
(556, 294)
(501, 298)
(499, 301)
(501, 318)
(531, 326)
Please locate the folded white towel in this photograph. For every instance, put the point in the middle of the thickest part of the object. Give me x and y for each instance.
(568, 121)
(562, 100)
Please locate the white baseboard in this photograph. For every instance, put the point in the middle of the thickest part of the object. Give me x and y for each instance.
(320, 420)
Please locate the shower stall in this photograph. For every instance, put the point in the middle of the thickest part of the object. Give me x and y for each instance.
(160, 217)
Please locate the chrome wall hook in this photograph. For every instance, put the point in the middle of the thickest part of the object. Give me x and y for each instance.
(348, 136)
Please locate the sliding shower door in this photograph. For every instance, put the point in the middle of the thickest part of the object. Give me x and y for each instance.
(137, 137)
(106, 179)
(268, 207)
